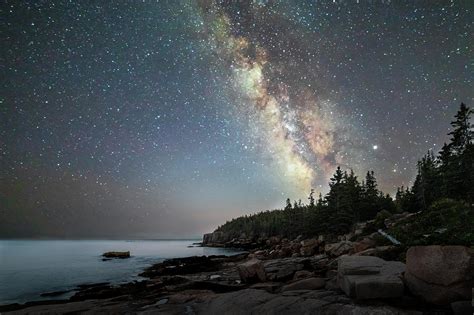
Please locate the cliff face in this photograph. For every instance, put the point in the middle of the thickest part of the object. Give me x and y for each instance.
(214, 239)
(221, 239)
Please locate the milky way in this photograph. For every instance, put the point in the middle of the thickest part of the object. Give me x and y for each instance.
(302, 133)
(164, 119)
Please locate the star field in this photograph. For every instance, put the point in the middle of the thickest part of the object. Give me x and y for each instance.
(166, 118)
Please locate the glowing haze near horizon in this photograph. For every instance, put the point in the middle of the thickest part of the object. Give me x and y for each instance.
(166, 118)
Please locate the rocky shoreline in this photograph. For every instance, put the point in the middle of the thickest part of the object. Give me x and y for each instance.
(354, 273)
(435, 280)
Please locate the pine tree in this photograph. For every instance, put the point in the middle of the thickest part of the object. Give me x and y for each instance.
(468, 164)
(427, 183)
(369, 197)
(340, 201)
(444, 163)
(320, 200)
(461, 159)
(353, 194)
(311, 198)
(462, 133)
(335, 190)
(371, 185)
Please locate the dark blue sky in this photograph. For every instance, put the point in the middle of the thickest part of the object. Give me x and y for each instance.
(166, 118)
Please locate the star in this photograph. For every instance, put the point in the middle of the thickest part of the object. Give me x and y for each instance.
(165, 111)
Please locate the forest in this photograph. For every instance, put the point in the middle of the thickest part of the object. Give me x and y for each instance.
(442, 193)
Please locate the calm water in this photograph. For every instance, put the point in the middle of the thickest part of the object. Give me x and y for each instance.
(29, 268)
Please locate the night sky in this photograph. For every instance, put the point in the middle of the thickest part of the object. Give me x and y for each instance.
(166, 118)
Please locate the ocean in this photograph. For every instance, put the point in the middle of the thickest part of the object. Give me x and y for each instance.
(31, 267)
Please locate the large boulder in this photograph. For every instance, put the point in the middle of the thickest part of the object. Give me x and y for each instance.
(285, 268)
(309, 247)
(364, 244)
(440, 274)
(305, 284)
(273, 240)
(366, 277)
(338, 249)
(252, 271)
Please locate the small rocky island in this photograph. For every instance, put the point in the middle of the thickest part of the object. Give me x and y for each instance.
(120, 255)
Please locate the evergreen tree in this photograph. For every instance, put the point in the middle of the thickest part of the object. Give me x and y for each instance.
(468, 164)
(371, 185)
(339, 204)
(461, 160)
(369, 197)
(320, 200)
(427, 183)
(311, 198)
(352, 195)
(335, 190)
(449, 175)
(462, 133)
(444, 164)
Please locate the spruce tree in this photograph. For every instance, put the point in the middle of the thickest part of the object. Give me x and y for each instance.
(444, 163)
(462, 133)
(369, 197)
(311, 198)
(353, 194)
(461, 160)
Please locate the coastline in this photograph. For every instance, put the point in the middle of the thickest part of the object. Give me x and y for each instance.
(361, 272)
(103, 291)
(31, 268)
(252, 281)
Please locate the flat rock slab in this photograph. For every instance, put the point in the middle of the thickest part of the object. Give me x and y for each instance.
(353, 265)
(305, 284)
(365, 277)
(250, 301)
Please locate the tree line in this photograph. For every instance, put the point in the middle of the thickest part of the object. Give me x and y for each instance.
(450, 174)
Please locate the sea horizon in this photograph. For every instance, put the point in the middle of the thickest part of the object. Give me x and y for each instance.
(99, 239)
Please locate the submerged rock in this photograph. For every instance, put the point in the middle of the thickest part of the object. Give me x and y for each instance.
(54, 293)
(187, 265)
